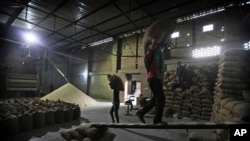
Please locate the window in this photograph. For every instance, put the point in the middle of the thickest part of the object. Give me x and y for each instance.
(207, 28)
(247, 46)
(206, 52)
(175, 35)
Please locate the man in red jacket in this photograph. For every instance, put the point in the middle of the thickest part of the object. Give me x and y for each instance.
(154, 63)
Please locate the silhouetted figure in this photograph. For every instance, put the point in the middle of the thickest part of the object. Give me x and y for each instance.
(115, 83)
(51, 87)
(180, 71)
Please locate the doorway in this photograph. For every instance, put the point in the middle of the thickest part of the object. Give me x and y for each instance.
(132, 86)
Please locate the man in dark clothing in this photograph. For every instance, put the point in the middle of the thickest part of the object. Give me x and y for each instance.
(117, 85)
(154, 63)
(180, 70)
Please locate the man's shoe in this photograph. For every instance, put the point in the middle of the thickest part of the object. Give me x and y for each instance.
(160, 123)
(140, 117)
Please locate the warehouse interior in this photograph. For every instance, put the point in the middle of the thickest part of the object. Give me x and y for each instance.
(57, 78)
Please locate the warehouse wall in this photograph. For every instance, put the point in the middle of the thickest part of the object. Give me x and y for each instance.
(105, 58)
(122, 57)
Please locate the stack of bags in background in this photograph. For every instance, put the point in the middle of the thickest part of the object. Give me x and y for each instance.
(231, 99)
(231, 93)
(197, 99)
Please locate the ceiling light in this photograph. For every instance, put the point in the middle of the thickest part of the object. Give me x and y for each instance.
(207, 28)
(175, 35)
(206, 52)
(30, 37)
(200, 14)
(101, 41)
(85, 73)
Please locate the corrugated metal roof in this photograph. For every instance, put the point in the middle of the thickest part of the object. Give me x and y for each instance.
(68, 24)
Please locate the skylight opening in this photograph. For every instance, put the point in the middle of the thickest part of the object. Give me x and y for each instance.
(207, 28)
(206, 52)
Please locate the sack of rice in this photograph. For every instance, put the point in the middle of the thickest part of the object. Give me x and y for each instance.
(223, 134)
(95, 133)
(242, 109)
(68, 114)
(236, 51)
(11, 125)
(232, 57)
(226, 100)
(26, 122)
(246, 94)
(195, 89)
(229, 64)
(74, 134)
(50, 117)
(107, 136)
(39, 119)
(230, 105)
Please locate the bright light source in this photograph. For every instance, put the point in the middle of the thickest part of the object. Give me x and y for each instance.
(30, 37)
(85, 73)
(188, 45)
(247, 45)
(206, 52)
(202, 14)
(222, 40)
(222, 29)
(175, 35)
(188, 34)
(207, 28)
(101, 41)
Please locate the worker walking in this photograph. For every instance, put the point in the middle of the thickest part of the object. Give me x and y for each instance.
(154, 63)
(115, 83)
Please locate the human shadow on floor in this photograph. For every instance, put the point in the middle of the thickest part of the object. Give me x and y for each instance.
(155, 138)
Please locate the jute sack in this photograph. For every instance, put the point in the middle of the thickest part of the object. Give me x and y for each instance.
(235, 58)
(26, 122)
(206, 104)
(206, 96)
(208, 101)
(39, 119)
(230, 105)
(107, 136)
(205, 90)
(223, 134)
(232, 85)
(203, 136)
(229, 80)
(95, 133)
(231, 69)
(235, 51)
(242, 75)
(229, 64)
(246, 94)
(242, 109)
(226, 100)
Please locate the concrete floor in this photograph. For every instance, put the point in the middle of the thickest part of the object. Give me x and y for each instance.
(100, 114)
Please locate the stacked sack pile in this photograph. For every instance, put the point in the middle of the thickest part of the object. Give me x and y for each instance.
(169, 85)
(178, 100)
(24, 114)
(231, 91)
(197, 99)
(231, 94)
